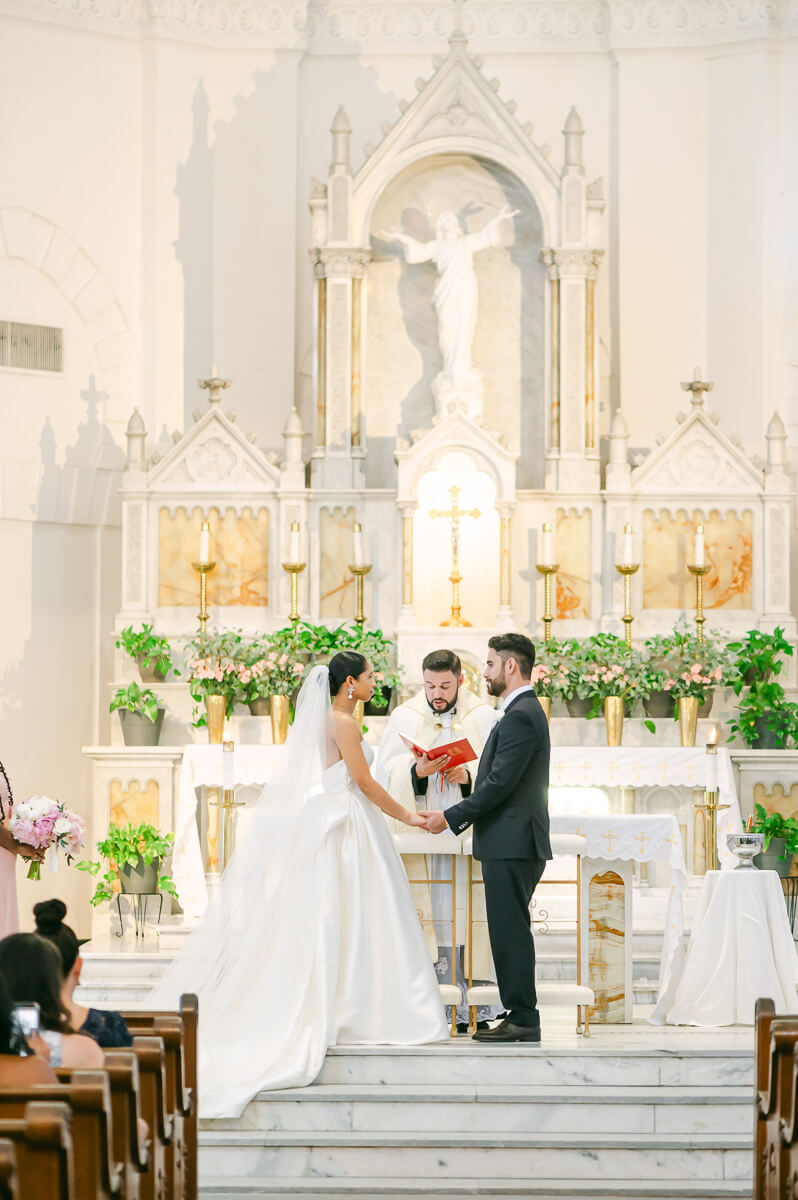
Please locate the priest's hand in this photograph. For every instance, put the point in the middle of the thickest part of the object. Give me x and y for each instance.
(457, 775)
(426, 766)
(435, 822)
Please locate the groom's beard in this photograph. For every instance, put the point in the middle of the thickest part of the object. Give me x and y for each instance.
(445, 707)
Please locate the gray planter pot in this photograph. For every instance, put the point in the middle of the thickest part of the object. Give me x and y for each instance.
(766, 739)
(658, 704)
(706, 708)
(138, 730)
(577, 707)
(140, 879)
(260, 707)
(771, 860)
(149, 674)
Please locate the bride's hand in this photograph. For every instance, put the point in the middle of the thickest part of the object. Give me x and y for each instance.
(415, 820)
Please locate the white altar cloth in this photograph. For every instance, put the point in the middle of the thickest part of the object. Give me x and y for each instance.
(202, 767)
(741, 947)
(642, 837)
(635, 766)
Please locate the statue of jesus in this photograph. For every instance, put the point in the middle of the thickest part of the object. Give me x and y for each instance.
(458, 384)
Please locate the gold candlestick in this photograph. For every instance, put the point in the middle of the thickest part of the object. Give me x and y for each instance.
(547, 570)
(360, 574)
(203, 569)
(710, 808)
(294, 570)
(228, 805)
(699, 573)
(627, 570)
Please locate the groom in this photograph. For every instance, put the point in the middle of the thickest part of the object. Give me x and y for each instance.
(509, 811)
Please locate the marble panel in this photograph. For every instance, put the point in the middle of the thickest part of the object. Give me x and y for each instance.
(573, 535)
(516, 1162)
(289, 1115)
(693, 1072)
(239, 547)
(133, 804)
(703, 1118)
(234, 1161)
(606, 944)
(336, 534)
(535, 1069)
(668, 544)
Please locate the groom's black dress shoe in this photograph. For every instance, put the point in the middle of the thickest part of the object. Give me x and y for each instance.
(462, 1026)
(506, 1031)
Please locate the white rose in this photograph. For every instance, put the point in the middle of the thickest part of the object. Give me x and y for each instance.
(62, 825)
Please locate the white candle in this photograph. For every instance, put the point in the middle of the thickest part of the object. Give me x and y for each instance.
(228, 766)
(712, 765)
(214, 372)
(699, 546)
(548, 545)
(357, 546)
(627, 545)
(205, 543)
(294, 550)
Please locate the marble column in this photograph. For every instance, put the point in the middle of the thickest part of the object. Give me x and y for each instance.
(407, 612)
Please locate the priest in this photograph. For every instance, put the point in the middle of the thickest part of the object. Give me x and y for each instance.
(443, 712)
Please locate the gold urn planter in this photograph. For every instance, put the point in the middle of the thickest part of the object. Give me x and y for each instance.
(214, 714)
(545, 704)
(613, 719)
(279, 710)
(688, 719)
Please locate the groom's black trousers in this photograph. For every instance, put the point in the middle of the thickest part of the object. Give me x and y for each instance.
(509, 884)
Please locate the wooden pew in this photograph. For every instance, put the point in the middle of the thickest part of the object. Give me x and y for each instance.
(764, 1015)
(8, 1171)
(151, 1059)
(88, 1095)
(181, 1067)
(129, 1150)
(773, 1101)
(789, 1135)
(43, 1149)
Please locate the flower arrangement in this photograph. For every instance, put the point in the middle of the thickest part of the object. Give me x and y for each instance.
(550, 675)
(214, 660)
(269, 669)
(46, 824)
(127, 845)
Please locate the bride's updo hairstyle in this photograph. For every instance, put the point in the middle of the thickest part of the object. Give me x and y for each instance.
(342, 665)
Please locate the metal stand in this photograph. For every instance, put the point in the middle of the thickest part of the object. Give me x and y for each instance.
(139, 911)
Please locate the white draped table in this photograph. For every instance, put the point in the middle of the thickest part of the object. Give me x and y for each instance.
(741, 947)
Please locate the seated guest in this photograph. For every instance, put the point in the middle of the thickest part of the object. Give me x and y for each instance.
(18, 1066)
(32, 969)
(107, 1028)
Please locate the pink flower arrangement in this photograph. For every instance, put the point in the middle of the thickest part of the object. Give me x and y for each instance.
(273, 675)
(46, 824)
(694, 681)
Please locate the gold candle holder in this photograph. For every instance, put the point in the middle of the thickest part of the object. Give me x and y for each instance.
(547, 570)
(360, 574)
(228, 806)
(294, 570)
(203, 570)
(710, 809)
(699, 573)
(627, 570)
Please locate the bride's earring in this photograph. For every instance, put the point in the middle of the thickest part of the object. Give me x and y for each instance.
(351, 692)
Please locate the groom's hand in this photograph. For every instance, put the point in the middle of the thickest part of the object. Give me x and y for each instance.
(436, 822)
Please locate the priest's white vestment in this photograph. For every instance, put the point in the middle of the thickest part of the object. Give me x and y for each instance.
(471, 718)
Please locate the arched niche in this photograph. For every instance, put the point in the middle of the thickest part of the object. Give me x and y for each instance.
(402, 355)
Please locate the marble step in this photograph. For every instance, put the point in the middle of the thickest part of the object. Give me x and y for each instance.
(433, 1156)
(303, 1188)
(547, 1065)
(497, 1109)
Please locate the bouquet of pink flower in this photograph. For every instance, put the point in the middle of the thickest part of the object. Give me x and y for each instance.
(46, 824)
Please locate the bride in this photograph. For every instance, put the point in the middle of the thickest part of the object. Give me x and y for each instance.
(312, 939)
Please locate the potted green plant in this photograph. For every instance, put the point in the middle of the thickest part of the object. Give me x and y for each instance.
(153, 654)
(133, 854)
(759, 657)
(657, 702)
(140, 714)
(781, 840)
(765, 719)
(381, 653)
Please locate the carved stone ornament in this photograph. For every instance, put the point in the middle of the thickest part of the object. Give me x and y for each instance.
(697, 459)
(572, 264)
(341, 261)
(211, 462)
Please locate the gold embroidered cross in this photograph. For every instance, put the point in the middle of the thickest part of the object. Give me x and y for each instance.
(642, 838)
(610, 837)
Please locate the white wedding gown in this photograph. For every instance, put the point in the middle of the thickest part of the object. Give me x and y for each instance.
(325, 949)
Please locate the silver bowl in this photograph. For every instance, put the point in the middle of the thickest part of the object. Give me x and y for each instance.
(745, 846)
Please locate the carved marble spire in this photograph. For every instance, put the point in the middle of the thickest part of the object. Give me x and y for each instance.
(214, 386)
(696, 387)
(136, 435)
(573, 132)
(776, 437)
(292, 436)
(618, 470)
(458, 38)
(341, 132)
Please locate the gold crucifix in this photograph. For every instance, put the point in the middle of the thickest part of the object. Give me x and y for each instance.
(455, 514)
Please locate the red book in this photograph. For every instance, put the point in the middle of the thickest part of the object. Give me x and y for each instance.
(459, 752)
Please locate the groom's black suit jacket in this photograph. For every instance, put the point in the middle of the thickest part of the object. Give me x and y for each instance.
(509, 804)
